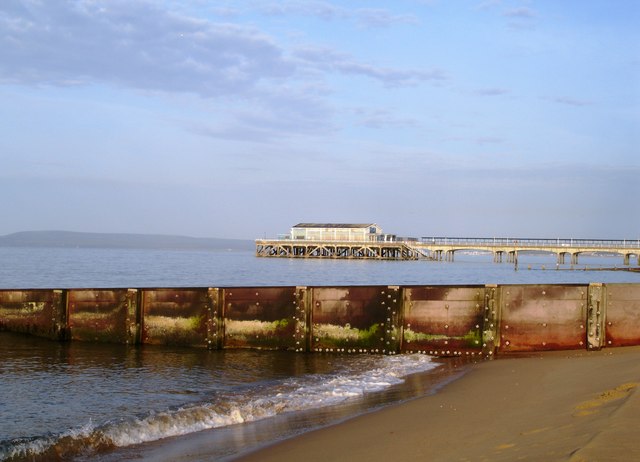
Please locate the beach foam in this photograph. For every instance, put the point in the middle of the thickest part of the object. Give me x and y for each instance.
(366, 374)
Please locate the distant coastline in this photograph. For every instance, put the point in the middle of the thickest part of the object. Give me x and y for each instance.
(72, 239)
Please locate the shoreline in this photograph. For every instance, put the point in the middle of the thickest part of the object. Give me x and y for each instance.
(563, 405)
(233, 441)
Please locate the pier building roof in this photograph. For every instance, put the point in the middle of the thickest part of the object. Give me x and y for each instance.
(334, 225)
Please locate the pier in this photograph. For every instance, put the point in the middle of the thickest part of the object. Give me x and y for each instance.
(509, 248)
(286, 248)
(445, 248)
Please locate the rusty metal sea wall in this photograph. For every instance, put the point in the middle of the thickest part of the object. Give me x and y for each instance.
(440, 320)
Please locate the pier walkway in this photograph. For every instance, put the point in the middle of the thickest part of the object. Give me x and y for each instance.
(444, 248)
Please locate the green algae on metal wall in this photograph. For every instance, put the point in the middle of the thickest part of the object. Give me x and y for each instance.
(259, 334)
(336, 336)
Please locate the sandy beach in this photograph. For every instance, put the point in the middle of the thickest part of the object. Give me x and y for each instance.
(552, 406)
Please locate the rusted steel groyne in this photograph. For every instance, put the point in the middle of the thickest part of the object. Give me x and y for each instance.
(439, 320)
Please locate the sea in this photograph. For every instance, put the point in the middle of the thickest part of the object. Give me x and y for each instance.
(81, 401)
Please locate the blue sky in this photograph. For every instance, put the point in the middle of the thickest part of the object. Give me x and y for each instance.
(241, 119)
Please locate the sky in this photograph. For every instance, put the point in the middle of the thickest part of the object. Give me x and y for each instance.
(240, 119)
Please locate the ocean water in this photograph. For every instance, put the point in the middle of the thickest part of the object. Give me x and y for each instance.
(94, 268)
(79, 401)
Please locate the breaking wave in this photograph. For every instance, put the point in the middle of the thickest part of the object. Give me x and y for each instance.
(292, 394)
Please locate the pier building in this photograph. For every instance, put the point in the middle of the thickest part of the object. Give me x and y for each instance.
(339, 240)
(352, 232)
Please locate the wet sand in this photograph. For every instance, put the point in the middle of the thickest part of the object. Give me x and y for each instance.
(554, 406)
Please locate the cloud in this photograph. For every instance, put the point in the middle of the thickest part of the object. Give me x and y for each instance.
(522, 18)
(139, 45)
(133, 44)
(327, 59)
(367, 17)
(272, 117)
(323, 10)
(370, 17)
(491, 91)
(479, 140)
(520, 13)
(381, 118)
(571, 101)
(489, 140)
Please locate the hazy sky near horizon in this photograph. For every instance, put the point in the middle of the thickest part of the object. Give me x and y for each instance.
(243, 118)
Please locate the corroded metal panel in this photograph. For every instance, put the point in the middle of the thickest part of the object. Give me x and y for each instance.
(176, 316)
(596, 307)
(622, 324)
(37, 312)
(542, 317)
(491, 320)
(263, 317)
(356, 319)
(443, 320)
(102, 315)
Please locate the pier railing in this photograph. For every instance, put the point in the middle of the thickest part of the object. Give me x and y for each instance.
(475, 320)
(533, 242)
